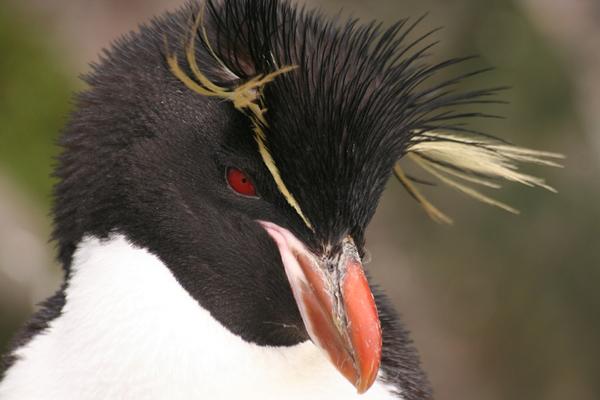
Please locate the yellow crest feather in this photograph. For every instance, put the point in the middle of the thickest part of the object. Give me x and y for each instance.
(448, 156)
(247, 98)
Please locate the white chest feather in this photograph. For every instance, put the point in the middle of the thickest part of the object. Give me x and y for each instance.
(130, 331)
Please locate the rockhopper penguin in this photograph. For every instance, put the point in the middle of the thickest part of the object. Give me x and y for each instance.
(217, 178)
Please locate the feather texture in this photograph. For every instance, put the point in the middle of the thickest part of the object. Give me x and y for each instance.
(355, 87)
(246, 97)
(452, 158)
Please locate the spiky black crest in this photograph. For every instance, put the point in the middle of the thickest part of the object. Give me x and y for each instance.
(338, 122)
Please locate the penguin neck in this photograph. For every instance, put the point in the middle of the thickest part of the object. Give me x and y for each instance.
(128, 326)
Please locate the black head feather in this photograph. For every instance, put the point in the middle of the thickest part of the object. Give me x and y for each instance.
(339, 121)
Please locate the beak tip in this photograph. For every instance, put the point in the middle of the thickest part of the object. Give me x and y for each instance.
(367, 375)
(365, 328)
(362, 389)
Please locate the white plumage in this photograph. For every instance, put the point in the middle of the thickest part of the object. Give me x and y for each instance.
(129, 330)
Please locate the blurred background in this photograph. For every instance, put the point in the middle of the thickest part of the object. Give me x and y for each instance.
(500, 307)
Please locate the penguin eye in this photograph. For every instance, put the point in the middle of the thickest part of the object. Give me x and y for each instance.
(240, 183)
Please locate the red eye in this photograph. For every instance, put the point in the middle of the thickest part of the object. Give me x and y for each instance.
(240, 182)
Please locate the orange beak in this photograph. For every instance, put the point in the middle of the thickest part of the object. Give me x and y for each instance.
(336, 305)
